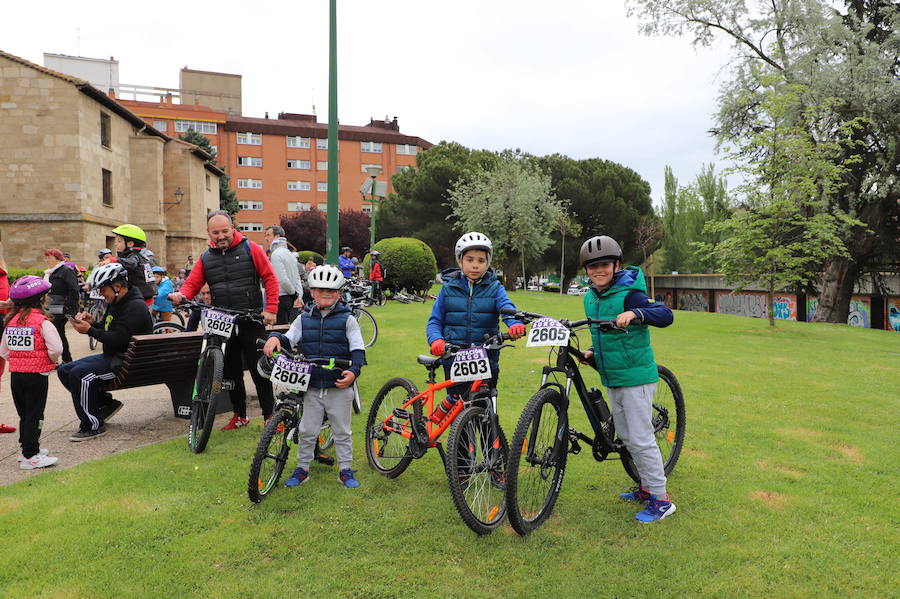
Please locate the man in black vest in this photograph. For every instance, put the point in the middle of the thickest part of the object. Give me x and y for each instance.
(233, 267)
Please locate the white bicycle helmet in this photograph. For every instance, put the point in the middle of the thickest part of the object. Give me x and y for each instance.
(107, 275)
(326, 277)
(474, 241)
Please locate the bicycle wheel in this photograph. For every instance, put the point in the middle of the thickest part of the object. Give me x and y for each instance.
(476, 467)
(367, 325)
(386, 448)
(164, 327)
(96, 316)
(537, 461)
(668, 423)
(271, 455)
(357, 403)
(207, 387)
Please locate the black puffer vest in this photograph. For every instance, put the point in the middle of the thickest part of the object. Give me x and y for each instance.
(232, 277)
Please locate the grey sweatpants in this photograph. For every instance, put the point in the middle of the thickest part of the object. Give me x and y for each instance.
(632, 415)
(338, 405)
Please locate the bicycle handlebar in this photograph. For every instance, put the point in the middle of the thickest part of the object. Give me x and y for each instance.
(331, 363)
(248, 313)
(606, 324)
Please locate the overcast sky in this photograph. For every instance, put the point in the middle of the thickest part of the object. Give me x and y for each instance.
(571, 77)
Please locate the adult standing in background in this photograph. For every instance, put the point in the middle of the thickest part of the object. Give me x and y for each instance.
(4, 301)
(284, 263)
(63, 296)
(376, 275)
(188, 265)
(345, 263)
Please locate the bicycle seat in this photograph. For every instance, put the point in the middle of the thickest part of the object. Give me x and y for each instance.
(427, 360)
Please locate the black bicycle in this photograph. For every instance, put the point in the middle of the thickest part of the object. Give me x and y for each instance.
(544, 436)
(218, 325)
(289, 373)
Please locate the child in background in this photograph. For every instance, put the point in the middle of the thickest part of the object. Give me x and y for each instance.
(32, 346)
(162, 305)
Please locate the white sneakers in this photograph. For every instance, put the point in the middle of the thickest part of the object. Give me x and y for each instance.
(38, 460)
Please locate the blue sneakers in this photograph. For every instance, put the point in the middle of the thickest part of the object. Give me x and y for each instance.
(348, 479)
(636, 494)
(299, 476)
(656, 509)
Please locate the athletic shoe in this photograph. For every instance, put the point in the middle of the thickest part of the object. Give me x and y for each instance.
(636, 494)
(657, 509)
(299, 476)
(85, 435)
(38, 461)
(235, 422)
(348, 479)
(41, 451)
(5, 428)
(109, 409)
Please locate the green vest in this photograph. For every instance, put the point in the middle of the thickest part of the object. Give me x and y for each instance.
(623, 359)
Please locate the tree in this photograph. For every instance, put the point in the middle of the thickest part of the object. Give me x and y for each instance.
(227, 196)
(566, 226)
(513, 204)
(306, 230)
(847, 66)
(354, 228)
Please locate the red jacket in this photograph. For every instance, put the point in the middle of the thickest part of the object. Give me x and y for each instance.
(375, 273)
(4, 287)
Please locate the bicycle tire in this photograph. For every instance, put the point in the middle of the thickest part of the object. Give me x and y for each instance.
(367, 326)
(96, 316)
(388, 451)
(357, 401)
(476, 466)
(537, 461)
(207, 387)
(268, 460)
(176, 315)
(668, 398)
(165, 327)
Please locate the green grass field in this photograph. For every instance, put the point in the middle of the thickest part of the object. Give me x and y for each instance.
(787, 487)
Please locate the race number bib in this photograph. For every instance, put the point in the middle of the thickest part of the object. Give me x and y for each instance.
(218, 323)
(470, 365)
(20, 338)
(291, 375)
(148, 273)
(547, 332)
(95, 294)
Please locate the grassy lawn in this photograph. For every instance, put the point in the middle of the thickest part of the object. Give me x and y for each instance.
(787, 487)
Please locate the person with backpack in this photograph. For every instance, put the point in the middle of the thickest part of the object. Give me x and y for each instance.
(132, 253)
(63, 296)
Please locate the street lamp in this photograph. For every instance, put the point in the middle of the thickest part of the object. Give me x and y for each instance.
(179, 195)
(374, 170)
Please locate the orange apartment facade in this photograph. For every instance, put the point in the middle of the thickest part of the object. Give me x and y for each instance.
(280, 166)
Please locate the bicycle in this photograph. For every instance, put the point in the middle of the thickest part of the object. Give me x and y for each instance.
(544, 437)
(218, 324)
(475, 461)
(96, 310)
(367, 325)
(289, 372)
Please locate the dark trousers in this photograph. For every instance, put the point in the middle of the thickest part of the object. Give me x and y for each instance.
(29, 391)
(83, 379)
(285, 303)
(59, 321)
(376, 291)
(239, 349)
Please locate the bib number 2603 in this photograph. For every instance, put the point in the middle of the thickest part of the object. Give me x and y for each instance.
(470, 365)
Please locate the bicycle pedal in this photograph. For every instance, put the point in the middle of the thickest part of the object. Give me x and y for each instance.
(401, 413)
(575, 448)
(325, 459)
(227, 385)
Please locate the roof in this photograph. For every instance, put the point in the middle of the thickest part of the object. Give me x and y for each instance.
(193, 112)
(308, 128)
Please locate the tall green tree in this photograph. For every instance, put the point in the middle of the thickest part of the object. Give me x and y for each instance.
(227, 196)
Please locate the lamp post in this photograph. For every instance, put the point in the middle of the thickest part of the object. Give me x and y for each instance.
(179, 195)
(374, 171)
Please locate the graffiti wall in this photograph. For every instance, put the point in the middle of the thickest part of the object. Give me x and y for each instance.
(892, 314)
(742, 304)
(860, 311)
(784, 306)
(664, 296)
(693, 301)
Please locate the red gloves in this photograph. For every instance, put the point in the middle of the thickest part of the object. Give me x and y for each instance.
(516, 330)
(437, 347)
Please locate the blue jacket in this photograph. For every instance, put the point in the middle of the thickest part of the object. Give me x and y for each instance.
(346, 266)
(162, 303)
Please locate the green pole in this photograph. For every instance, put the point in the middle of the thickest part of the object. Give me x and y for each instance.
(333, 236)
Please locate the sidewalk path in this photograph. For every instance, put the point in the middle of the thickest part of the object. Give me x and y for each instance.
(145, 418)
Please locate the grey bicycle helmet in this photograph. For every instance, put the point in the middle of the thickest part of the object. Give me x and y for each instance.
(326, 277)
(474, 241)
(599, 248)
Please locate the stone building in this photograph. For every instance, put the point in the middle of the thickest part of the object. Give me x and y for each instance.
(75, 163)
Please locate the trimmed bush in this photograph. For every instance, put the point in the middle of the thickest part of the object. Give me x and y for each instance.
(408, 264)
(15, 273)
(304, 255)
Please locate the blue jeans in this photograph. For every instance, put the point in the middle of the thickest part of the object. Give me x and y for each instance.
(83, 379)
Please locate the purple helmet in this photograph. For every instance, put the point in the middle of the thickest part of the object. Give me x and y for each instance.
(28, 287)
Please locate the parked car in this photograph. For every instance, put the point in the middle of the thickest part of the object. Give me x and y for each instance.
(576, 290)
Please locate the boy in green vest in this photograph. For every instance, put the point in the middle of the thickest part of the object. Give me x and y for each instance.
(626, 364)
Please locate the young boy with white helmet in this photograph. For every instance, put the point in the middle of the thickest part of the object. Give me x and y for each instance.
(325, 329)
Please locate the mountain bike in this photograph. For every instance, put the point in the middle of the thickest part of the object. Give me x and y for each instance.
(218, 325)
(475, 461)
(367, 324)
(290, 374)
(544, 436)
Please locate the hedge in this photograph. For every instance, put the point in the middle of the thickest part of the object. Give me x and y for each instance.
(15, 273)
(303, 257)
(408, 264)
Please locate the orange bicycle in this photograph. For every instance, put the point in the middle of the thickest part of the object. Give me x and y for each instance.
(397, 432)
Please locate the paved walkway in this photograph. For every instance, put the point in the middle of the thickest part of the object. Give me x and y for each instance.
(145, 418)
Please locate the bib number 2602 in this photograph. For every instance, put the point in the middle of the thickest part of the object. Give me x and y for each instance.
(470, 365)
(219, 323)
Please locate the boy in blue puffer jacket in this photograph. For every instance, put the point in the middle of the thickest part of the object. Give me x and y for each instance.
(467, 308)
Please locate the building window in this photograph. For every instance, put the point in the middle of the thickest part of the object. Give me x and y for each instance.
(249, 161)
(365, 166)
(370, 146)
(322, 143)
(322, 165)
(400, 169)
(208, 183)
(198, 126)
(161, 125)
(323, 206)
(298, 206)
(299, 186)
(249, 139)
(298, 164)
(367, 209)
(250, 183)
(107, 187)
(250, 227)
(105, 130)
(250, 205)
(297, 142)
(407, 149)
(322, 186)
